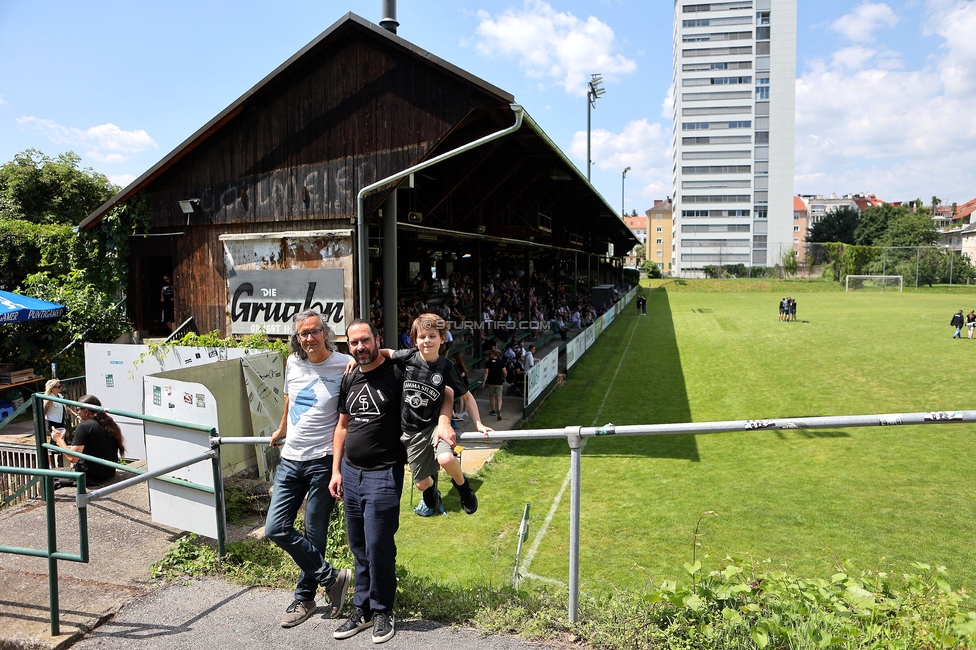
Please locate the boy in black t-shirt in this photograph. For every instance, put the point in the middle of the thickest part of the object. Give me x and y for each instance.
(426, 378)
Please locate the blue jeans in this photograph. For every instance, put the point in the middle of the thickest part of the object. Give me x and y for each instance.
(293, 481)
(372, 501)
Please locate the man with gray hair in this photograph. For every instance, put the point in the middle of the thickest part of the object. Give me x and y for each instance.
(313, 375)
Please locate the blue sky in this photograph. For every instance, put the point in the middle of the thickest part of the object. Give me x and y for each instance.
(885, 90)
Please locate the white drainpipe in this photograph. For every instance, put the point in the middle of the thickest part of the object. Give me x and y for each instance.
(361, 228)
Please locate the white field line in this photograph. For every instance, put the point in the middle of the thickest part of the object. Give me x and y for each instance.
(552, 581)
(524, 570)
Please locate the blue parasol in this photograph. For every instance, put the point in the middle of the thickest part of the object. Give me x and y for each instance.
(15, 308)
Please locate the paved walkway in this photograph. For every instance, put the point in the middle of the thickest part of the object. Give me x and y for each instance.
(218, 614)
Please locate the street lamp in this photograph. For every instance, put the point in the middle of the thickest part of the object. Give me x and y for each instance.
(623, 180)
(594, 90)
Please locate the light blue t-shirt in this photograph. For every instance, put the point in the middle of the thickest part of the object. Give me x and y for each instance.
(313, 405)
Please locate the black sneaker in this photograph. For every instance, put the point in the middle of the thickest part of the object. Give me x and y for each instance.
(499, 416)
(358, 621)
(383, 627)
(337, 592)
(298, 612)
(469, 501)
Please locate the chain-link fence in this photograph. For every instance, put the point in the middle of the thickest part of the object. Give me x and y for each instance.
(918, 265)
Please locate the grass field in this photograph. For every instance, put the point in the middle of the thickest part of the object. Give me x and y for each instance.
(805, 499)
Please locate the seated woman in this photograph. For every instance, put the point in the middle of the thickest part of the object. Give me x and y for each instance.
(98, 435)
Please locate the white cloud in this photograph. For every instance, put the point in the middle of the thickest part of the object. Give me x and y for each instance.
(105, 143)
(863, 124)
(643, 146)
(852, 58)
(667, 104)
(122, 179)
(553, 45)
(955, 22)
(2, 100)
(860, 25)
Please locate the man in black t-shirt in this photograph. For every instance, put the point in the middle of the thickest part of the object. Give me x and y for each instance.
(494, 379)
(367, 474)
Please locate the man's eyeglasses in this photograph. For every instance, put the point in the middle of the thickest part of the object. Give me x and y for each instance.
(310, 334)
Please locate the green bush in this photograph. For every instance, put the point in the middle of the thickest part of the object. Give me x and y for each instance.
(30, 248)
(652, 269)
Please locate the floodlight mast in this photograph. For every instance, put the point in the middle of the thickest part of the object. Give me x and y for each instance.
(594, 90)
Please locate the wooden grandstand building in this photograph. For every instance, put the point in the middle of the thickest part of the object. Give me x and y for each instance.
(260, 211)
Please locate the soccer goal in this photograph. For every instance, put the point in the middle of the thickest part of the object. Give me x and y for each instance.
(874, 283)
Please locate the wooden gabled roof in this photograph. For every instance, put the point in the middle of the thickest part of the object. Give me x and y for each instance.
(341, 28)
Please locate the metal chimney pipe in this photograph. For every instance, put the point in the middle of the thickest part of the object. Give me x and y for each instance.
(389, 20)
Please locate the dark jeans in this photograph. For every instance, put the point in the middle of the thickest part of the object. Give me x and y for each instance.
(294, 480)
(372, 501)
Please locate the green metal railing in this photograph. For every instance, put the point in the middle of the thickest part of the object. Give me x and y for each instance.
(83, 497)
(52, 553)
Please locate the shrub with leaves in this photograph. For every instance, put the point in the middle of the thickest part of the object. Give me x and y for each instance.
(91, 316)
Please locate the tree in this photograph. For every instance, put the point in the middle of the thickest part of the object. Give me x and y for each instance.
(910, 229)
(652, 269)
(789, 262)
(38, 189)
(837, 226)
(90, 314)
(874, 222)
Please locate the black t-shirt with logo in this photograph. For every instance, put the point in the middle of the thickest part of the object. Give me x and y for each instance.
(495, 367)
(423, 388)
(372, 402)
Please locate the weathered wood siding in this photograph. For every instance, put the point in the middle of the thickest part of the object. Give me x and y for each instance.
(296, 154)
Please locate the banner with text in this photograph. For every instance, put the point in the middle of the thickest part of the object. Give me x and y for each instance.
(267, 300)
(541, 374)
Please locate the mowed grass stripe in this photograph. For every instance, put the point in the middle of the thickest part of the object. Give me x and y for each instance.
(802, 498)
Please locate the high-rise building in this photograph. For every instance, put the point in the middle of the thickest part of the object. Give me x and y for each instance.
(732, 144)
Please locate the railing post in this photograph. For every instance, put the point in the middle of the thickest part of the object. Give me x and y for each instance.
(52, 529)
(218, 493)
(575, 440)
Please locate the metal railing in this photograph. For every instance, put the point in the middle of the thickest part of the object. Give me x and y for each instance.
(576, 438)
(185, 328)
(46, 477)
(15, 487)
(52, 554)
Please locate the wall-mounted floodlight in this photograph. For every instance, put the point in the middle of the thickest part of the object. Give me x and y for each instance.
(189, 206)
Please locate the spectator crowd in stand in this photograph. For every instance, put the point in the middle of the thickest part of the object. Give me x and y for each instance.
(507, 309)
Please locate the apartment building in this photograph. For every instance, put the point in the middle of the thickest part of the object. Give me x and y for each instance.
(732, 144)
(659, 242)
(800, 217)
(638, 226)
